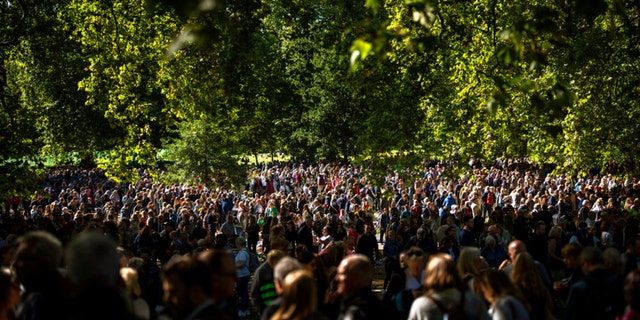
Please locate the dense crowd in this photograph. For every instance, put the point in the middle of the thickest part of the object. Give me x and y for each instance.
(505, 240)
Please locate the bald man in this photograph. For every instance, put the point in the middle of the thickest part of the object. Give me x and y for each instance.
(358, 302)
(516, 247)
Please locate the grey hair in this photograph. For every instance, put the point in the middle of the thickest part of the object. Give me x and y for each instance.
(285, 266)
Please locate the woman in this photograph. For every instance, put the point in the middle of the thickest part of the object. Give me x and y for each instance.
(140, 307)
(391, 252)
(243, 274)
(253, 233)
(470, 265)
(299, 299)
(444, 288)
(556, 264)
(504, 298)
(492, 252)
(526, 277)
(631, 296)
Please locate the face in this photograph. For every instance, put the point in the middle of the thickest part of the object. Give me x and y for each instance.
(571, 262)
(342, 279)
(415, 267)
(176, 295)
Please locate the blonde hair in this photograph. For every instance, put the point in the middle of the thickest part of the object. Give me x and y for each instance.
(299, 297)
(526, 277)
(441, 274)
(130, 278)
(467, 261)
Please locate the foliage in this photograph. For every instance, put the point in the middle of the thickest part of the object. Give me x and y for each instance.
(381, 83)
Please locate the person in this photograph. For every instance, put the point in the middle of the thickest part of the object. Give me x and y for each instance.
(253, 233)
(467, 238)
(526, 278)
(444, 287)
(600, 294)
(515, 247)
(631, 296)
(470, 265)
(263, 289)
(305, 234)
(571, 256)
(222, 271)
(244, 275)
(368, 245)
(285, 266)
(9, 295)
(422, 241)
(299, 299)
(140, 306)
(556, 265)
(93, 264)
(391, 253)
(492, 252)
(505, 300)
(357, 301)
(406, 284)
(37, 258)
(186, 283)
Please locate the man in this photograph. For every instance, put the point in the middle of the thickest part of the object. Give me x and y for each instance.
(600, 294)
(353, 279)
(367, 244)
(539, 243)
(406, 284)
(423, 242)
(188, 292)
(285, 266)
(305, 236)
(263, 289)
(516, 247)
(37, 257)
(467, 238)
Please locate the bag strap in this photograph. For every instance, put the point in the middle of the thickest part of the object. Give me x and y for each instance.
(442, 307)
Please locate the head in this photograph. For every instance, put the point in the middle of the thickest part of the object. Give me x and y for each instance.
(355, 272)
(494, 284)
(222, 270)
(415, 260)
(93, 261)
(470, 261)
(441, 274)
(571, 255)
(490, 242)
(591, 258)
(37, 253)
(555, 232)
(285, 266)
(515, 247)
(421, 234)
(130, 278)
(241, 242)
(186, 283)
(299, 296)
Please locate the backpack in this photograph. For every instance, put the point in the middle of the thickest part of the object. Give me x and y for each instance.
(451, 311)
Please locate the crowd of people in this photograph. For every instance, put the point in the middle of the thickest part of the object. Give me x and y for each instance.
(505, 240)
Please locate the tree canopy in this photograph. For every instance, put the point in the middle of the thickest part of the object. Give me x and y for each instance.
(201, 84)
